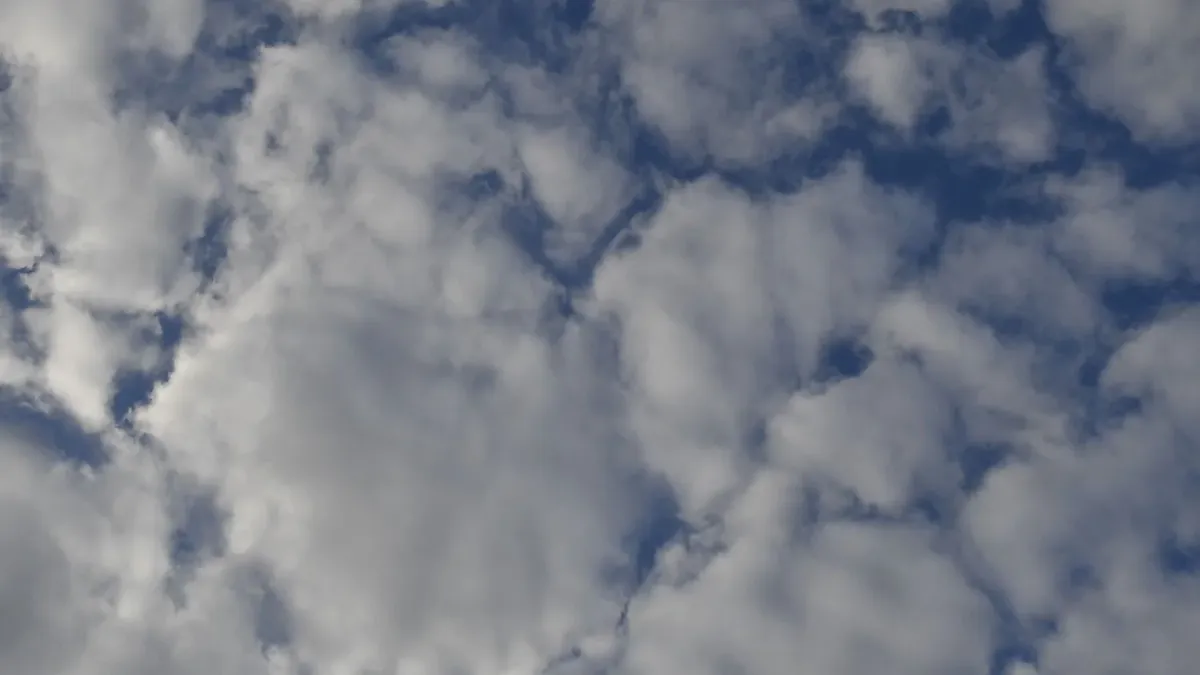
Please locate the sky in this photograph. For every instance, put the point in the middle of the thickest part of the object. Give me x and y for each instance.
(599, 337)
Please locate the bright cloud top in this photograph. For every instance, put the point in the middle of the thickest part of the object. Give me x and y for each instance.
(568, 337)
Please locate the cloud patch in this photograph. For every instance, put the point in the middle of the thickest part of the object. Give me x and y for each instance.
(378, 338)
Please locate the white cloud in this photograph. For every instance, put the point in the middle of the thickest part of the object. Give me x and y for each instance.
(887, 464)
(1001, 105)
(418, 464)
(1156, 363)
(579, 187)
(710, 76)
(1110, 230)
(1124, 60)
(1006, 270)
(777, 279)
(829, 603)
(475, 475)
(442, 61)
(892, 73)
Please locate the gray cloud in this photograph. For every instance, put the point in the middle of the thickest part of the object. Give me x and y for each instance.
(399, 438)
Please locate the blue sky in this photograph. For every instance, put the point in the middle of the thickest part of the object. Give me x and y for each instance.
(566, 337)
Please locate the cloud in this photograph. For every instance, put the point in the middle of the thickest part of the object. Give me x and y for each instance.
(371, 338)
(1101, 234)
(997, 105)
(580, 189)
(832, 603)
(713, 78)
(1121, 60)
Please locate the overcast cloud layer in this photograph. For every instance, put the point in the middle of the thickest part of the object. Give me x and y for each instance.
(625, 337)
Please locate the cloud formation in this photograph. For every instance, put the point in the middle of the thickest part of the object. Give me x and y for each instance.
(444, 337)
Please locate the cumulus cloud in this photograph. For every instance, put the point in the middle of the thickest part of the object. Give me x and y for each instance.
(715, 78)
(1122, 59)
(1000, 106)
(429, 338)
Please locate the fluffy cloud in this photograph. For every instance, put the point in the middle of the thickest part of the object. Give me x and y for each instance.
(715, 79)
(1003, 106)
(613, 337)
(1122, 60)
